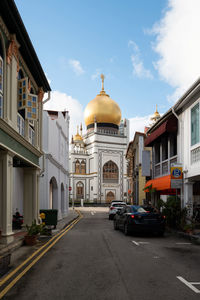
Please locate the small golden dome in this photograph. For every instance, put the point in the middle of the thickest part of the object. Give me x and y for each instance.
(77, 136)
(156, 115)
(102, 109)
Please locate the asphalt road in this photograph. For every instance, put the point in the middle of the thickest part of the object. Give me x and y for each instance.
(92, 261)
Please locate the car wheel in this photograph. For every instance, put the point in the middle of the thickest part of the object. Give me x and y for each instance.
(126, 230)
(109, 217)
(115, 225)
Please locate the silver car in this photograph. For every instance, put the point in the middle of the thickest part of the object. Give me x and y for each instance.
(114, 207)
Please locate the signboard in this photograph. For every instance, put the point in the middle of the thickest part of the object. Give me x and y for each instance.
(176, 176)
(146, 163)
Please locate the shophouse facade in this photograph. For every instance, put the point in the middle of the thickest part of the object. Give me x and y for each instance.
(22, 86)
(54, 182)
(187, 110)
(136, 179)
(162, 137)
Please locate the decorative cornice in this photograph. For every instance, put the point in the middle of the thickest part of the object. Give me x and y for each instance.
(56, 163)
(14, 134)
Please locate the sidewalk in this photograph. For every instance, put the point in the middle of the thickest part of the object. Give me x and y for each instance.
(11, 246)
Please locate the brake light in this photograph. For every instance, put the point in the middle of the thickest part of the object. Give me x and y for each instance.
(132, 216)
(164, 217)
(111, 208)
(148, 211)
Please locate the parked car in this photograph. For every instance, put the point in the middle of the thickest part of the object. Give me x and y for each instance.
(134, 218)
(114, 207)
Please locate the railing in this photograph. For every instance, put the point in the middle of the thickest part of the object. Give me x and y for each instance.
(195, 155)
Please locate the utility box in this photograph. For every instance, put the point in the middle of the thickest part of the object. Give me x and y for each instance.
(49, 216)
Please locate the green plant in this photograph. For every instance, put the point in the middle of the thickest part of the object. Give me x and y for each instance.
(172, 211)
(189, 227)
(34, 228)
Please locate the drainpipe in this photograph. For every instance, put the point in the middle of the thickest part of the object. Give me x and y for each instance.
(43, 102)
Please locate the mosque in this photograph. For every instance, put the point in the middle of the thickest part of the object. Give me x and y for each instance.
(98, 168)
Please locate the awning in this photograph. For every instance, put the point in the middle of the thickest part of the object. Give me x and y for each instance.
(168, 126)
(161, 183)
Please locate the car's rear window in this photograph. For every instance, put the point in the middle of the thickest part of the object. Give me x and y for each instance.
(138, 209)
(118, 205)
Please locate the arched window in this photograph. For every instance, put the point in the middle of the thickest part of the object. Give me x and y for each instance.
(110, 172)
(77, 167)
(80, 190)
(83, 167)
(1, 79)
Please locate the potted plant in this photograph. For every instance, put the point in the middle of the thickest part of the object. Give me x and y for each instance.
(32, 233)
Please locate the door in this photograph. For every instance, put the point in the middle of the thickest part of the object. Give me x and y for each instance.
(110, 197)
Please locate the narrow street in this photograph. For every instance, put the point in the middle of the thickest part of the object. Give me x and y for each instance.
(93, 261)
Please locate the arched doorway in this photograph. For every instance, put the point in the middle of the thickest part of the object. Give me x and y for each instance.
(62, 198)
(79, 190)
(53, 193)
(110, 196)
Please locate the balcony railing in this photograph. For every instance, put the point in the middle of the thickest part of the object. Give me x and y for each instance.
(195, 155)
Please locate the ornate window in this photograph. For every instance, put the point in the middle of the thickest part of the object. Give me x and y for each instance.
(83, 167)
(80, 190)
(77, 167)
(110, 172)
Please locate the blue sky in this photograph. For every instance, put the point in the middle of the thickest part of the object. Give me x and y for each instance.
(144, 48)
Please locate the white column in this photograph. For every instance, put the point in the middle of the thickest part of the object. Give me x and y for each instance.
(188, 196)
(6, 192)
(31, 208)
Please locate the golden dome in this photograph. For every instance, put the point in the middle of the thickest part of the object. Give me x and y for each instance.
(77, 136)
(102, 109)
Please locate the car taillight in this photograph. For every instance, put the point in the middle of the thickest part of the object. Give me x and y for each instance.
(164, 217)
(132, 216)
(111, 208)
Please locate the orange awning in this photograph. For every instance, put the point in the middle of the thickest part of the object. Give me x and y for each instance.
(161, 183)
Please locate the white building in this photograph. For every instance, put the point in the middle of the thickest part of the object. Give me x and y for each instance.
(97, 158)
(54, 182)
(187, 110)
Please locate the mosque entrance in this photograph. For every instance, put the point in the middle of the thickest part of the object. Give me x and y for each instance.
(110, 197)
(80, 190)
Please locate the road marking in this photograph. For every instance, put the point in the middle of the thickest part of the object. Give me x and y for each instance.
(145, 243)
(138, 243)
(183, 243)
(156, 257)
(16, 279)
(34, 253)
(134, 242)
(190, 284)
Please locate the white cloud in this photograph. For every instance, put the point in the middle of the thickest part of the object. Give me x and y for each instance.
(76, 67)
(138, 66)
(178, 45)
(60, 102)
(138, 124)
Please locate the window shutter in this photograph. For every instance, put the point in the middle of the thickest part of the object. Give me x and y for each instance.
(26, 100)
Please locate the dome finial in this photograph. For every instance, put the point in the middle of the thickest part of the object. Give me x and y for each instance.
(77, 129)
(102, 78)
